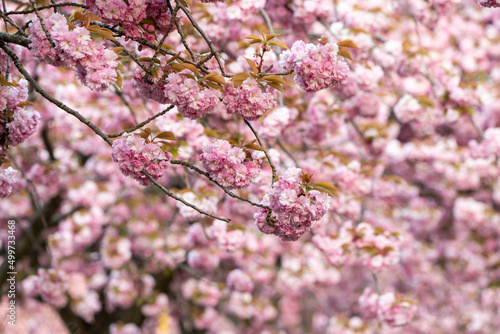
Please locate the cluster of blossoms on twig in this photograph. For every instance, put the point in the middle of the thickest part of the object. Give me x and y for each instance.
(295, 206)
(374, 247)
(136, 154)
(388, 308)
(232, 167)
(17, 122)
(95, 64)
(316, 67)
(249, 100)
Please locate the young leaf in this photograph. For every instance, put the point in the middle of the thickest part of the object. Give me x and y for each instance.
(324, 187)
(280, 44)
(276, 86)
(271, 36)
(345, 53)
(347, 43)
(192, 68)
(166, 135)
(215, 77)
(252, 65)
(253, 37)
(255, 147)
(119, 80)
(118, 49)
(275, 79)
(177, 67)
(240, 76)
(4, 81)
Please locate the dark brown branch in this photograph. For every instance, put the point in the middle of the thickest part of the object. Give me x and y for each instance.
(14, 39)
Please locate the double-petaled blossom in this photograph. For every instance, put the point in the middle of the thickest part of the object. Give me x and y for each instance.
(134, 155)
(293, 210)
(95, 65)
(228, 165)
(316, 67)
(249, 100)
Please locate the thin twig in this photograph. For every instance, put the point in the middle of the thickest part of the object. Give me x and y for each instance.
(205, 37)
(268, 21)
(199, 171)
(265, 151)
(140, 125)
(180, 199)
(287, 153)
(179, 29)
(125, 102)
(44, 28)
(54, 5)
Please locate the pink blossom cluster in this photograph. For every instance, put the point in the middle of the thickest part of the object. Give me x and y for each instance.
(489, 3)
(22, 122)
(374, 247)
(293, 210)
(207, 203)
(52, 287)
(249, 100)
(389, 308)
(134, 155)
(276, 121)
(316, 67)
(192, 99)
(125, 13)
(152, 87)
(95, 65)
(228, 165)
(408, 109)
(8, 178)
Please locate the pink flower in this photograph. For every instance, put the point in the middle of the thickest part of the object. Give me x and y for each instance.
(293, 211)
(7, 178)
(249, 100)
(316, 67)
(229, 165)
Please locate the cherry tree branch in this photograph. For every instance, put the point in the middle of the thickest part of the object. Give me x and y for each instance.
(204, 35)
(199, 171)
(265, 151)
(51, 99)
(56, 5)
(180, 199)
(140, 125)
(14, 39)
